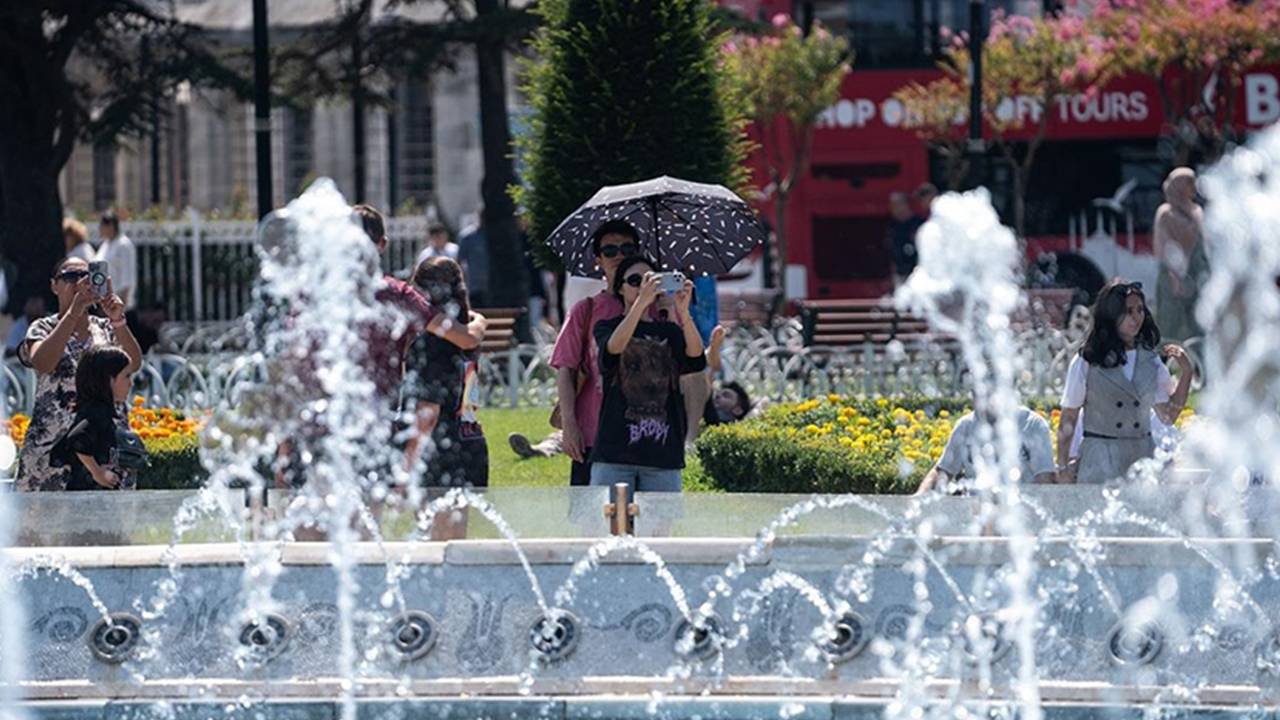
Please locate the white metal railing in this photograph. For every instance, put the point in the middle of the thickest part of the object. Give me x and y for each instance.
(202, 270)
(771, 363)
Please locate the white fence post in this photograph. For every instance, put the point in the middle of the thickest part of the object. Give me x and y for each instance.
(197, 267)
(513, 377)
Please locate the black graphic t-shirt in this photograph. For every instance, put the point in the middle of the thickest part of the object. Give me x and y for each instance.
(642, 421)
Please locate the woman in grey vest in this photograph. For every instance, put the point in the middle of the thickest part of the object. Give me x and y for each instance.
(1114, 384)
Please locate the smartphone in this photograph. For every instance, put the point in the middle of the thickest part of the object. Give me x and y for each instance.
(670, 282)
(98, 278)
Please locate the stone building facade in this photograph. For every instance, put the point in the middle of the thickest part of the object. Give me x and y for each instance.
(423, 152)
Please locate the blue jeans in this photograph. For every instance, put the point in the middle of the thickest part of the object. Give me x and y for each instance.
(639, 477)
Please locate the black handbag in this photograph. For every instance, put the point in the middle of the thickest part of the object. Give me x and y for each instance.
(131, 454)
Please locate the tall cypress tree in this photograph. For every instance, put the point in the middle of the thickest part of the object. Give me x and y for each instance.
(624, 90)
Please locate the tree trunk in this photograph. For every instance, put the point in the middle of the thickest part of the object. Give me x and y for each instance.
(780, 242)
(956, 164)
(1022, 180)
(1019, 185)
(1019, 205)
(35, 141)
(508, 277)
(801, 143)
(31, 234)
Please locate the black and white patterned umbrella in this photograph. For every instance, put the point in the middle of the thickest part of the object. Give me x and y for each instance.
(696, 228)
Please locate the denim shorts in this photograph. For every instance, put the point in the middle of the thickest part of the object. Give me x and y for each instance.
(639, 477)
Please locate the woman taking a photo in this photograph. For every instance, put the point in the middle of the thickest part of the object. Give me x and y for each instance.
(643, 421)
(1114, 384)
(53, 348)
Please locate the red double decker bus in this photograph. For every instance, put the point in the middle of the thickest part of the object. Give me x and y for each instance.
(1095, 145)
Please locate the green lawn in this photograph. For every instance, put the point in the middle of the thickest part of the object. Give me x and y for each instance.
(508, 470)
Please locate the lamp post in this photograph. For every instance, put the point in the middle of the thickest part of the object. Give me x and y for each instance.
(153, 104)
(262, 106)
(977, 36)
(357, 113)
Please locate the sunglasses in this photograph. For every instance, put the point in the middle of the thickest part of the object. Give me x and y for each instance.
(635, 280)
(72, 276)
(626, 250)
(1131, 288)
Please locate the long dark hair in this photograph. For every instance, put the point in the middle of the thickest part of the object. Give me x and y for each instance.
(620, 277)
(1103, 346)
(440, 279)
(97, 368)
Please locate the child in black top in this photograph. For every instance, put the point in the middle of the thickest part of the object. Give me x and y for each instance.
(90, 445)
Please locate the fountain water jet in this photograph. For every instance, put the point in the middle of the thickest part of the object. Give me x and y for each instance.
(966, 286)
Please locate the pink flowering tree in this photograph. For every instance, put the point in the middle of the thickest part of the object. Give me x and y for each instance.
(1197, 51)
(784, 81)
(1027, 64)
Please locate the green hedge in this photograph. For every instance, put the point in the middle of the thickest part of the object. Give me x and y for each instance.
(173, 469)
(753, 457)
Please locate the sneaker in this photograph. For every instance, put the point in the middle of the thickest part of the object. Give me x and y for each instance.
(520, 445)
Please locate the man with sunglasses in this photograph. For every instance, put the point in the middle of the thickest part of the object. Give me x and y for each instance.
(575, 356)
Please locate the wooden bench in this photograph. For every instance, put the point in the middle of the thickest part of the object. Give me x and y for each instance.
(500, 331)
(843, 323)
(500, 372)
(747, 307)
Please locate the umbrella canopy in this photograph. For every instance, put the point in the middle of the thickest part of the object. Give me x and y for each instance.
(696, 228)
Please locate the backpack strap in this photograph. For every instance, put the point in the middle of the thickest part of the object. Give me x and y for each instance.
(586, 339)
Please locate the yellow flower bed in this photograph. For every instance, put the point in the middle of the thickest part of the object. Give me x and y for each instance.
(161, 429)
(172, 439)
(915, 434)
(17, 426)
(880, 427)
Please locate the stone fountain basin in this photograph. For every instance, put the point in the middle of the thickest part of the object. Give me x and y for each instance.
(625, 635)
(599, 707)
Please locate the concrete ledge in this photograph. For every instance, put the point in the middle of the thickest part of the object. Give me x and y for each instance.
(222, 554)
(823, 551)
(66, 709)
(797, 551)
(633, 689)
(588, 708)
(706, 708)
(674, 551)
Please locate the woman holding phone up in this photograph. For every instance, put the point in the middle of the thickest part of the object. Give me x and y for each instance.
(643, 419)
(53, 348)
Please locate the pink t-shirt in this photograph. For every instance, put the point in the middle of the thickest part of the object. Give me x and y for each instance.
(575, 337)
